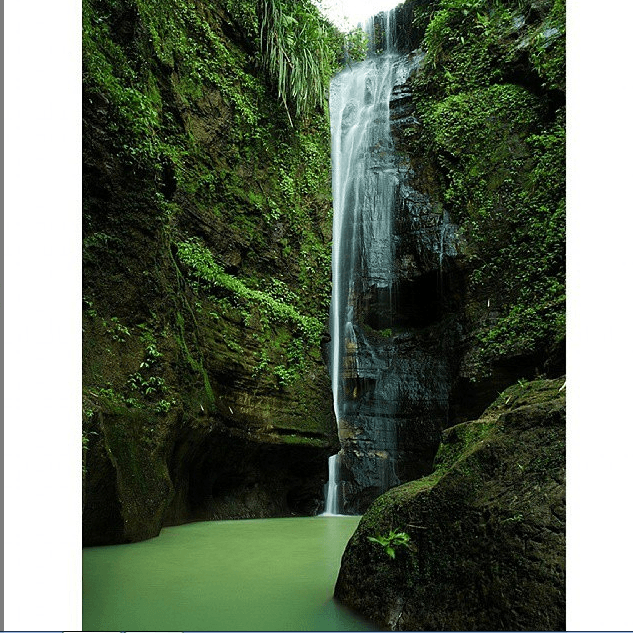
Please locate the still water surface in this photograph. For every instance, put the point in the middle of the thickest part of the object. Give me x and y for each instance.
(252, 575)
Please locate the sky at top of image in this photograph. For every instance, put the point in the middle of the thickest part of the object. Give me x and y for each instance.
(347, 14)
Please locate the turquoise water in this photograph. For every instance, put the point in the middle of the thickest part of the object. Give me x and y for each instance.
(255, 575)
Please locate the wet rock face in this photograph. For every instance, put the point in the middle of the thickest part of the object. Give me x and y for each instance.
(406, 34)
(399, 362)
(487, 529)
(393, 422)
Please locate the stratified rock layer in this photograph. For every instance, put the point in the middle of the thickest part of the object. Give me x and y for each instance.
(487, 528)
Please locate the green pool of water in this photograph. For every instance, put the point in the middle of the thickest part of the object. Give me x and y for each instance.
(255, 575)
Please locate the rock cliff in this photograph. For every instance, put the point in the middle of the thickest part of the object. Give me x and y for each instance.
(480, 127)
(479, 544)
(478, 294)
(207, 220)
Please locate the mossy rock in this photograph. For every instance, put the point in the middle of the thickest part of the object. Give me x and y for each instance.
(185, 141)
(487, 528)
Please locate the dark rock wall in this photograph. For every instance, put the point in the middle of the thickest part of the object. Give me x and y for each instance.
(399, 327)
(404, 359)
(207, 220)
(478, 294)
(480, 126)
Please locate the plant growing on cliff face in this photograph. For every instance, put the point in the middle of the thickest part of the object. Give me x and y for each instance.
(202, 266)
(390, 541)
(117, 331)
(151, 356)
(296, 44)
(355, 46)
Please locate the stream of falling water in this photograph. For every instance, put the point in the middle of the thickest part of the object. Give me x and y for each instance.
(364, 182)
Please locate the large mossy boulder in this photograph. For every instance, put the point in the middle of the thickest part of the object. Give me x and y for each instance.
(480, 543)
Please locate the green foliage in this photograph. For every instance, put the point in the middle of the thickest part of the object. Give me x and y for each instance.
(178, 100)
(124, 77)
(474, 43)
(164, 406)
(483, 119)
(244, 17)
(355, 45)
(460, 41)
(391, 541)
(116, 330)
(290, 336)
(174, 58)
(146, 386)
(262, 366)
(113, 399)
(495, 141)
(547, 54)
(299, 50)
(203, 267)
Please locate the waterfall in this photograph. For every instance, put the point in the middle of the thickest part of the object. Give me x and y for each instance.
(364, 186)
(331, 492)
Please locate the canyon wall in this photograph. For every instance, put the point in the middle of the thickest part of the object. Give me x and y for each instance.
(479, 542)
(206, 259)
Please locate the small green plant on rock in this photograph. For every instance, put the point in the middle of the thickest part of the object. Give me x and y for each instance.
(149, 386)
(151, 355)
(117, 331)
(390, 541)
(517, 518)
(164, 406)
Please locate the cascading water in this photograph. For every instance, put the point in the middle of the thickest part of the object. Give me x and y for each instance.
(365, 180)
(332, 489)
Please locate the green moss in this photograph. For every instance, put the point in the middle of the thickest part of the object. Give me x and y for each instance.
(202, 266)
(523, 392)
(464, 455)
(196, 366)
(491, 133)
(459, 441)
(302, 440)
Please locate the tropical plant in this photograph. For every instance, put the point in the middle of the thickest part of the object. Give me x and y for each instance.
(355, 45)
(297, 47)
(390, 541)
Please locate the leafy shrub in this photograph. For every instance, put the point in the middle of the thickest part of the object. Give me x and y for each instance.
(299, 51)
